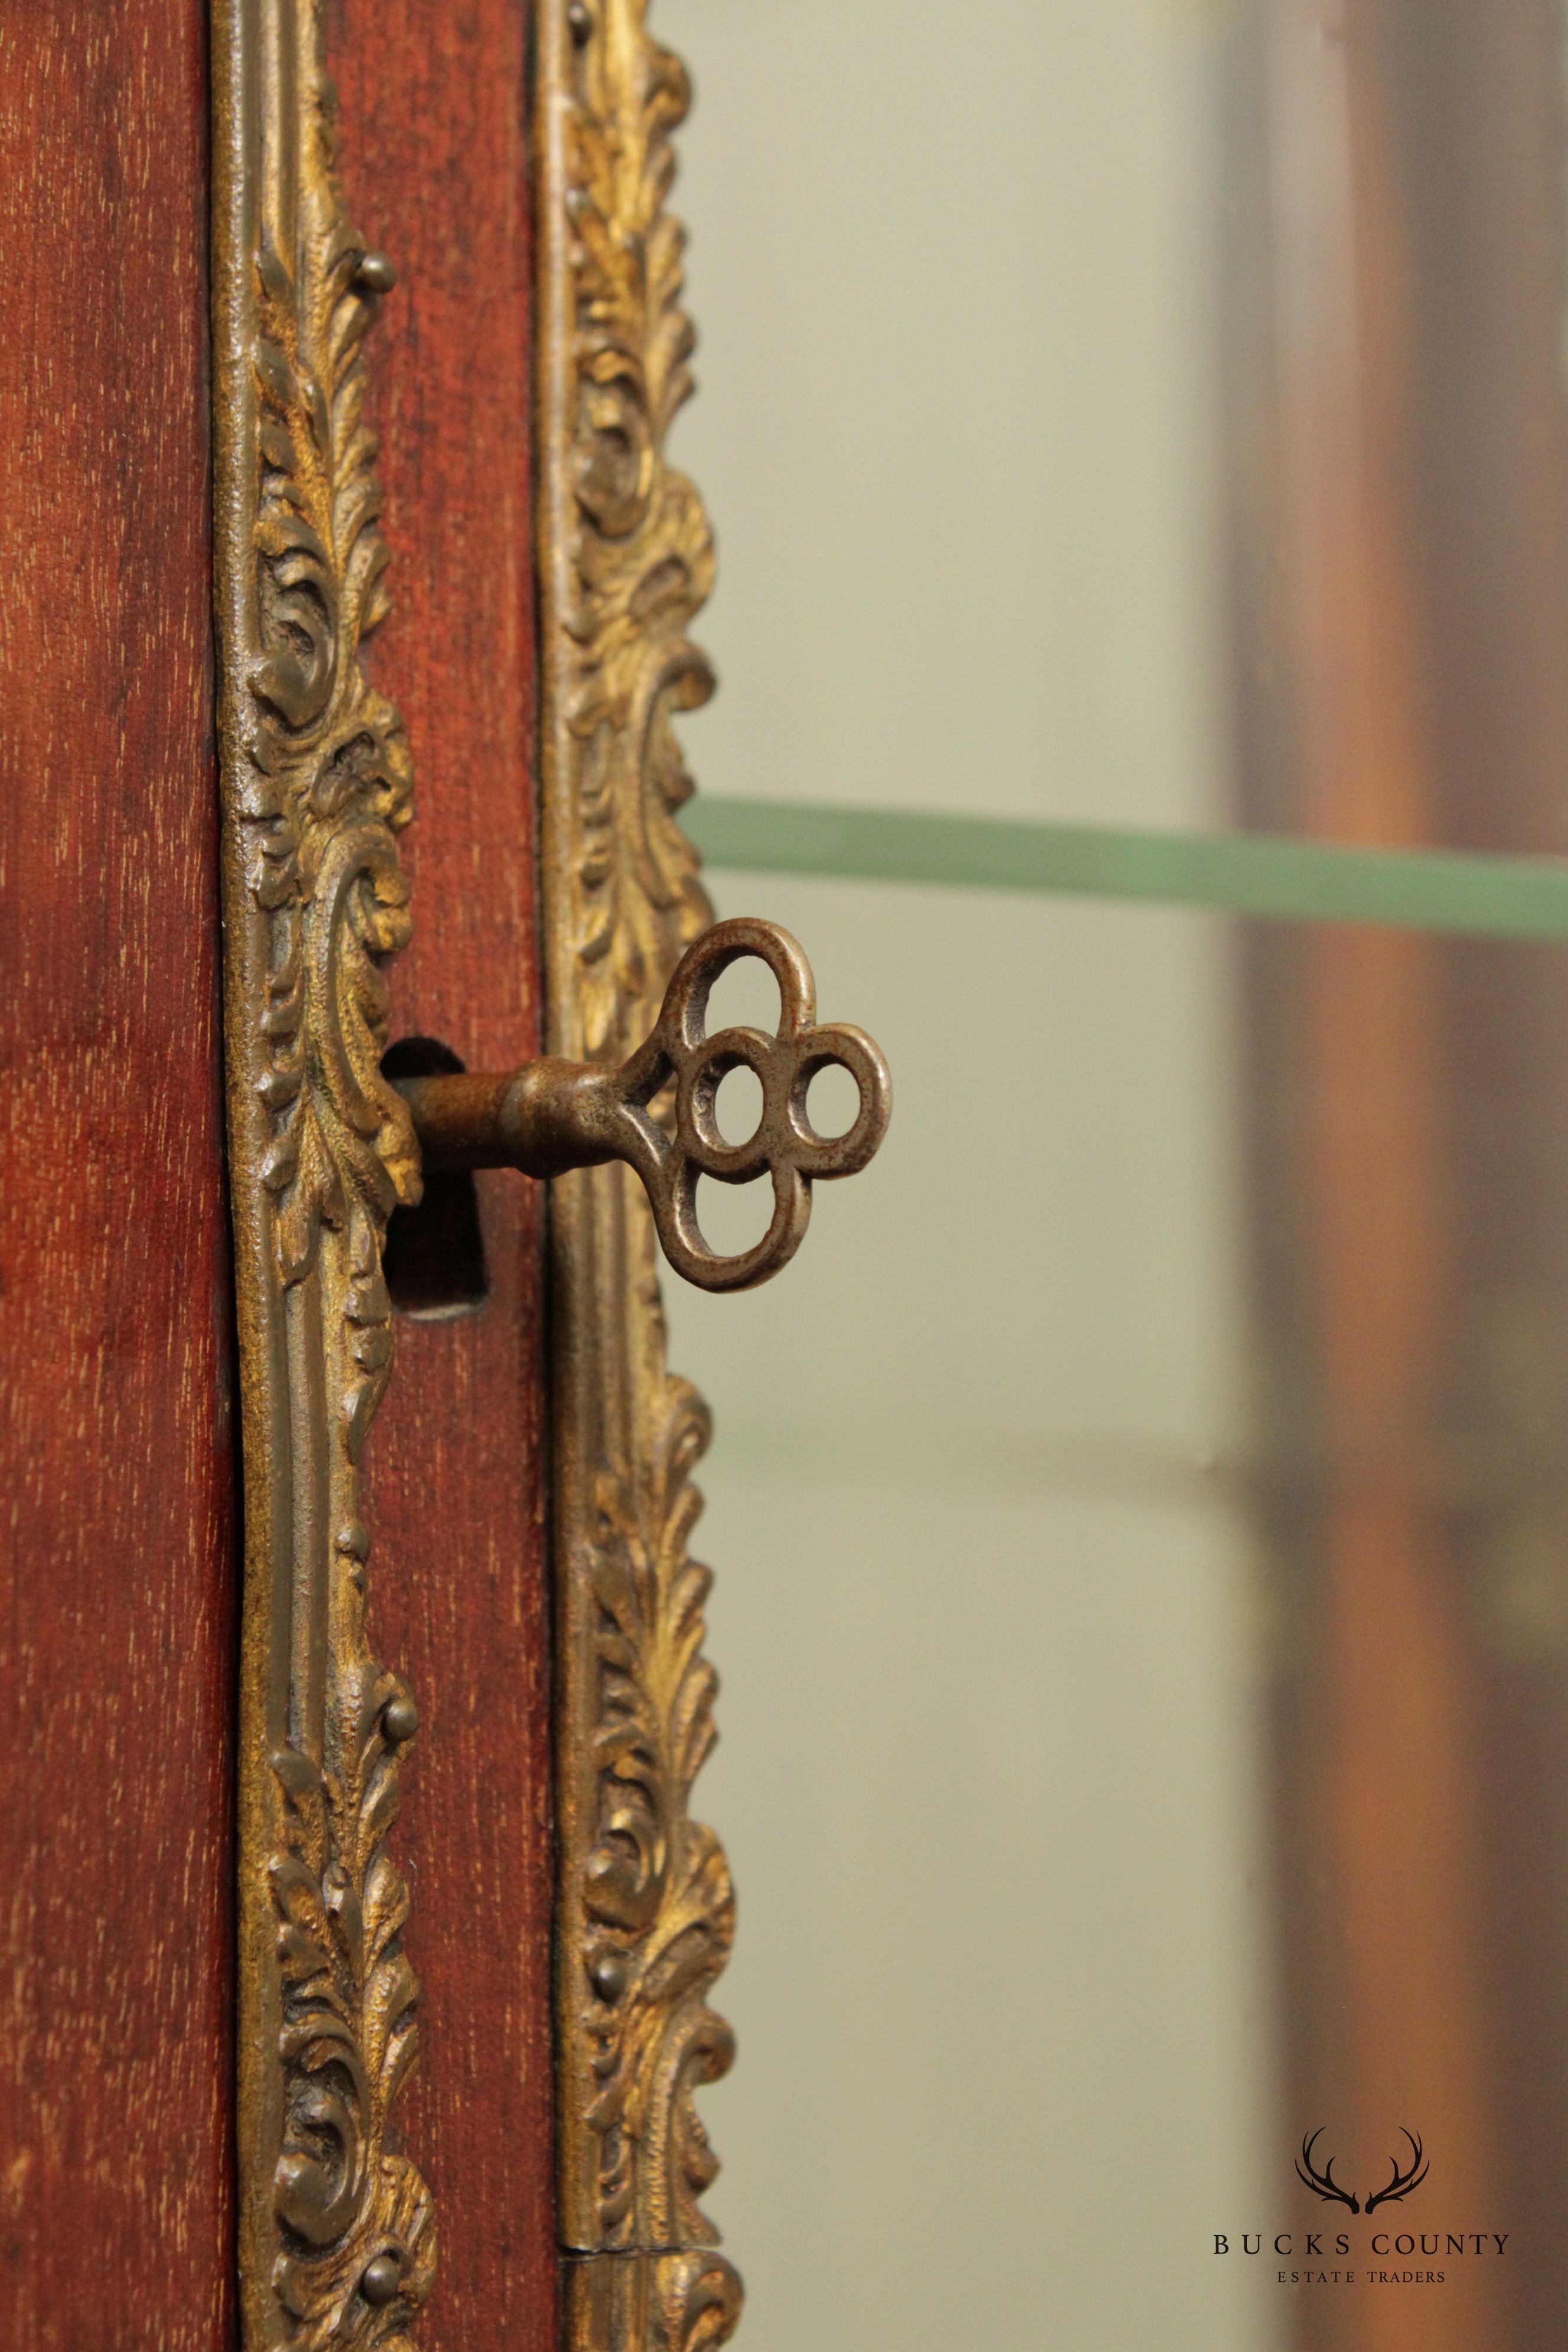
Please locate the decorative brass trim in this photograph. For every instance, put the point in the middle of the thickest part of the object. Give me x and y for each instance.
(645, 1910)
(336, 2239)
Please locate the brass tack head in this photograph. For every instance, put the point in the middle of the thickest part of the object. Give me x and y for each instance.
(607, 1974)
(376, 274)
(579, 23)
(400, 1719)
(382, 2279)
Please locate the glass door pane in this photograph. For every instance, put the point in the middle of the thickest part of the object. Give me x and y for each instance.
(1142, 1518)
(1147, 414)
(1144, 1617)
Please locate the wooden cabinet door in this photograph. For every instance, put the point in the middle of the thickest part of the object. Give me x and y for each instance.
(434, 115)
(121, 1518)
(119, 1526)
(348, 587)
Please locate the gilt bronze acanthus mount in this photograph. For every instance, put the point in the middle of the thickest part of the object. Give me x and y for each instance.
(337, 2232)
(336, 2228)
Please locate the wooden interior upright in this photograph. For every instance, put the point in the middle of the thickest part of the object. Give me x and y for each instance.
(1401, 549)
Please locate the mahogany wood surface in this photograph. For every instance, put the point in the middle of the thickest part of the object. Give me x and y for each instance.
(433, 117)
(118, 1520)
(1411, 1150)
(1473, 122)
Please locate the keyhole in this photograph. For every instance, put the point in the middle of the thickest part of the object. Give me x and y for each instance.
(435, 1256)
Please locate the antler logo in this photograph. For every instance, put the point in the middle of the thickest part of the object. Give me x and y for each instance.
(1403, 2182)
(1323, 2184)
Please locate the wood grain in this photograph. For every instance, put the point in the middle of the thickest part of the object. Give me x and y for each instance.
(117, 1497)
(432, 115)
